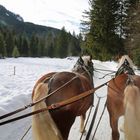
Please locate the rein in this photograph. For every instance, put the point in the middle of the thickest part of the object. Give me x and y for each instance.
(57, 105)
(99, 119)
(96, 69)
(34, 103)
(111, 72)
(93, 120)
(89, 74)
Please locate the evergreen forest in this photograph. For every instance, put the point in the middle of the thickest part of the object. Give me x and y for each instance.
(109, 29)
(24, 39)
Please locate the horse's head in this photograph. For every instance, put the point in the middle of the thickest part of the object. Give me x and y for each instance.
(84, 65)
(125, 66)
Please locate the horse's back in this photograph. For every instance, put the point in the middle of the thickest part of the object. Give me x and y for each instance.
(72, 84)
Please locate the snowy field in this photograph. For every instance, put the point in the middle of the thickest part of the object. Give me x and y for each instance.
(17, 78)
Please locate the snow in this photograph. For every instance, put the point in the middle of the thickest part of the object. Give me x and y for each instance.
(17, 78)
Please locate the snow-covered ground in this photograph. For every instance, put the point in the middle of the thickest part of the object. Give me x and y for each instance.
(17, 78)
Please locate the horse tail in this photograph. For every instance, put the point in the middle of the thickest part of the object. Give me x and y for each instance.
(43, 126)
(132, 112)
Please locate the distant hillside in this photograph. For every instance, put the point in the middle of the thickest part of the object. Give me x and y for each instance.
(16, 22)
(19, 38)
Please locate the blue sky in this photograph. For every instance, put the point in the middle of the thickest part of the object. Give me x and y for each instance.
(54, 13)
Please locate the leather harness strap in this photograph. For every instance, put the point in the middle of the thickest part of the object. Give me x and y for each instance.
(57, 105)
(34, 103)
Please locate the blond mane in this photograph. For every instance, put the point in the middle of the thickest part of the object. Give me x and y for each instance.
(86, 59)
(121, 61)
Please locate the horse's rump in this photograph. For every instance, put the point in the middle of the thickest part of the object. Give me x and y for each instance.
(43, 120)
(44, 79)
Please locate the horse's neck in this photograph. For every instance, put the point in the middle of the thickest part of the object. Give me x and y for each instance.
(43, 126)
(89, 77)
(85, 74)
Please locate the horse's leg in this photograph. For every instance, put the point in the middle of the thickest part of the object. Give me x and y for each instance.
(83, 117)
(114, 126)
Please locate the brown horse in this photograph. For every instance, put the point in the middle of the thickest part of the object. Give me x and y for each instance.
(115, 95)
(56, 124)
(132, 110)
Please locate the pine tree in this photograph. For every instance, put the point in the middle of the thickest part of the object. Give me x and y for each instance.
(3, 52)
(50, 45)
(62, 44)
(101, 37)
(24, 48)
(74, 48)
(41, 48)
(132, 42)
(9, 41)
(15, 52)
(34, 43)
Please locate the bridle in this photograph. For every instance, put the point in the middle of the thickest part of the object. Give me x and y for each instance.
(125, 68)
(88, 69)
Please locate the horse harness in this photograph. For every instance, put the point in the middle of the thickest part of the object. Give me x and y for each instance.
(50, 107)
(88, 69)
(125, 68)
(53, 106)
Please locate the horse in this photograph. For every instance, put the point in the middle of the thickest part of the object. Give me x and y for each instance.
(115, 95)
(56, 124)
(132, 110)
